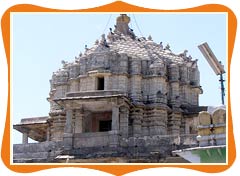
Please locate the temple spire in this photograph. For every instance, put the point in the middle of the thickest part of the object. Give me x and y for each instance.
(122, 24)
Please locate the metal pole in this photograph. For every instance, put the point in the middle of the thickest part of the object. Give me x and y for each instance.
(222, 87)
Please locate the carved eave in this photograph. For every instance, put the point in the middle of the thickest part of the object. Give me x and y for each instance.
(96, 98)
(96, 73)
(194, 110)
(36, 128)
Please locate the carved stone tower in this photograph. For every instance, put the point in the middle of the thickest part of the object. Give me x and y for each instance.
(125, 93)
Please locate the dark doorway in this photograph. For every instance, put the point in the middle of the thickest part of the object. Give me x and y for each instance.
(100, 83)
(105, 125)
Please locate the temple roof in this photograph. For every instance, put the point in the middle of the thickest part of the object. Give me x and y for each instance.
(123, 40)
(36, 127)
(137, 48)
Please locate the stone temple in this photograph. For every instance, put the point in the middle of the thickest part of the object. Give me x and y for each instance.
(125, 99)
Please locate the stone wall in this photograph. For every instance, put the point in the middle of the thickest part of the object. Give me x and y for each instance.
(91, 139)
(36, 152)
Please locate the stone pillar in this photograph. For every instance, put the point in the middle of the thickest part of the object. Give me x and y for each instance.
(57, 127)
(145, 123)
(137, 116)
(25, 138)
(115, 118)
(48, 134)
(107, 83)
(114, 138)
(79, 121)
(174, 123)
(175, 97)
(124, 115)
(68, 136)
(158, 122)
(68, 125)
(187, 126)
(182, 126)
(195, 98)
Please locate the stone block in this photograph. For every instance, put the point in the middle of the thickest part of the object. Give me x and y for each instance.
(68, 141)
(204, 118)
(219, 116)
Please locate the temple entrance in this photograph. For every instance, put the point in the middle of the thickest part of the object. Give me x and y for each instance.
(98, 122)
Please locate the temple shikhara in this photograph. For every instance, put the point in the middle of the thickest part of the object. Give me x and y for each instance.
(125, 99)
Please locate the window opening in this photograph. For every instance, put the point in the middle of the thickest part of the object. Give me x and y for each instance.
(100, 83)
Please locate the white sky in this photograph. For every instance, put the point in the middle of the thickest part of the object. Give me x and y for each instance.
(41, 40)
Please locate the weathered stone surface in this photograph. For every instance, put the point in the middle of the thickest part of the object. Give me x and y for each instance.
(213, 132)
(219, 116)
(204, 118)
(126, 96)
